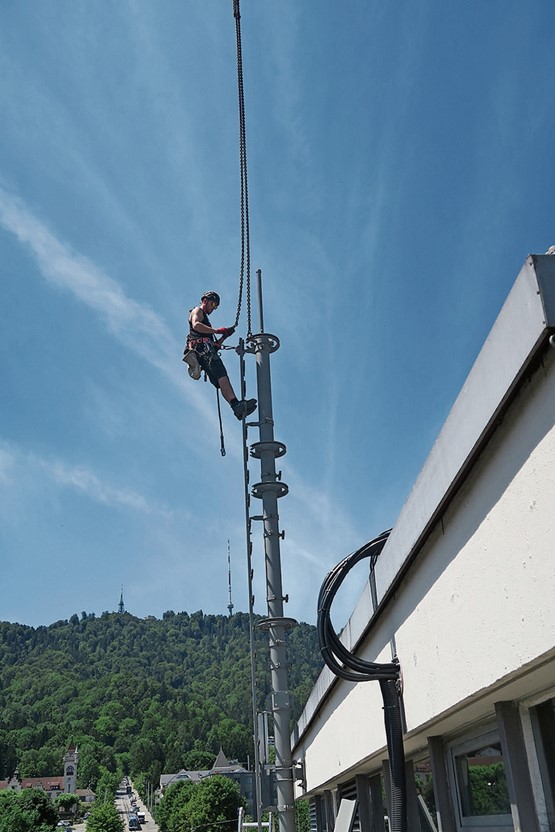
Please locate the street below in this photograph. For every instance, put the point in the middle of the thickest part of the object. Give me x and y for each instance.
(125, 808)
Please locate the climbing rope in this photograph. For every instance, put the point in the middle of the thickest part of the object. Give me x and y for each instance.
(245, 269)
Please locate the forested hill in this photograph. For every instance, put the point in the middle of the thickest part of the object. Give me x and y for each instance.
(143, 695)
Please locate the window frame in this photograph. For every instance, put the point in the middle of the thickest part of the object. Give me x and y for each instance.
(478, 823)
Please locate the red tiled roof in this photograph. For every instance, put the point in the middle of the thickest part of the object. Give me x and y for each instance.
(47, 783)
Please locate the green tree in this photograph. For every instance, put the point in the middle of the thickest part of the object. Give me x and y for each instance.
(302, 816)
(107, 785)
(237, 739)
(198, 760)
(30, 810)
(66, 802)
(175, 797)
(490, 794)
(213, 807)
(135, 695)
(94, 757)
(104, 817)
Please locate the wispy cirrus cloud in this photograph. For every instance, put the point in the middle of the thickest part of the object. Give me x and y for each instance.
(86, 482)
(7, 461)
(16, 464)
(133, 323)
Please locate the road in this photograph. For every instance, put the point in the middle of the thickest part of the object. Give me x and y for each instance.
(124, 807)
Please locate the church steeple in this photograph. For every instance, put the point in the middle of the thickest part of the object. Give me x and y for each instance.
(71, 758)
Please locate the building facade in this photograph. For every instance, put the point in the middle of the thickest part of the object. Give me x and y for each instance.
(71, 758)
(222, 767)
(463, 594)
(54, 784)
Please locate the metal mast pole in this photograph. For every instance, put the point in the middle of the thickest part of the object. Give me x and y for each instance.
(250, 575)
(269, 490)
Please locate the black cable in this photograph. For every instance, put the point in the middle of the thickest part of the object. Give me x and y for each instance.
(342, 662)
(346, 665)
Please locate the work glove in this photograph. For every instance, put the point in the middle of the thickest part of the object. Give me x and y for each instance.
(226, 331)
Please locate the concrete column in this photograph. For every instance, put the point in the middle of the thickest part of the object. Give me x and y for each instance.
(378, 823)
(442, 789)
(523, 808)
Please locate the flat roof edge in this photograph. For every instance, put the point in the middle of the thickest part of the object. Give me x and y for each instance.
(518, 334)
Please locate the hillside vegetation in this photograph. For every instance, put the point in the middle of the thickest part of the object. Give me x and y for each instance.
(139, 696)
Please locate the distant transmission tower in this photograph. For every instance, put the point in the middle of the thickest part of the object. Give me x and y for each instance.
(230, 604)
(121, 608)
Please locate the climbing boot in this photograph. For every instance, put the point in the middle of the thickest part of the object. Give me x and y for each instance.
(191, 360)
(244, 408)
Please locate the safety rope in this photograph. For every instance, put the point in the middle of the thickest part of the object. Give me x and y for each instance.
(245, 269)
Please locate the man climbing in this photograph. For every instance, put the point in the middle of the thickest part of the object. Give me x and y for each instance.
(201, 353)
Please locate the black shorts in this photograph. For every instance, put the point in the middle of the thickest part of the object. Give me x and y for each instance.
(212, 364)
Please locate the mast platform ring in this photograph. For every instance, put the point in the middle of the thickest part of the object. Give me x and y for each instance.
(263, 340)
(277, 621)
(258, 448)
(261, 488)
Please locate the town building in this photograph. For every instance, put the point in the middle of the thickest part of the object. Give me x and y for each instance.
(53, 785)
(223, 767)
(463, 595)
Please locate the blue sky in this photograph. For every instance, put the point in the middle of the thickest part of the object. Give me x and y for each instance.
(401, 167)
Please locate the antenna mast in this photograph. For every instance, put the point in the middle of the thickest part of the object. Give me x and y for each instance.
(269, 490)
(230, 604)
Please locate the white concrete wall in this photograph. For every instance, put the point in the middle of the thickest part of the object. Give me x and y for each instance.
(485, 590)
(475, 613)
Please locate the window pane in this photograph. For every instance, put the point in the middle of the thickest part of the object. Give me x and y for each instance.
(482, 782)
(543, 722)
